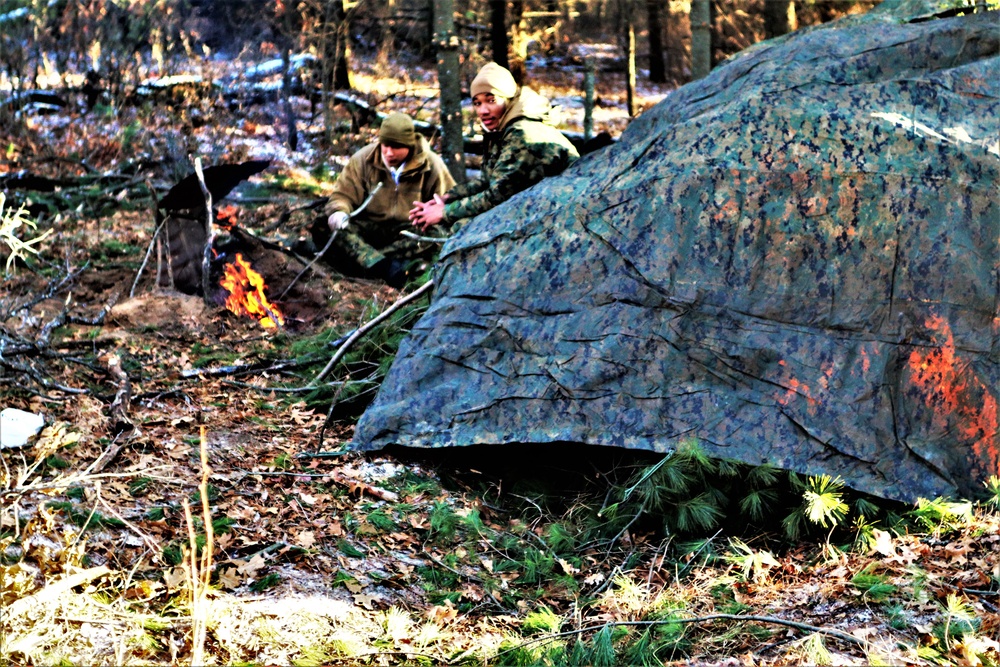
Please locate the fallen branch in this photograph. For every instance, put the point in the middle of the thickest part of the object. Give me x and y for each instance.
(53, 591)
(426, 239)
(368, 327)
(206, 258)
(245, 368)
(160, 221)
(843, 636)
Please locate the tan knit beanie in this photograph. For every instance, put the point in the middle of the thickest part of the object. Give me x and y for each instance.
(493, 78)
(397, 128)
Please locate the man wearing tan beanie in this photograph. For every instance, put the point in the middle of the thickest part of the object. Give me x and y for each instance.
(521, 148)
(369, 245)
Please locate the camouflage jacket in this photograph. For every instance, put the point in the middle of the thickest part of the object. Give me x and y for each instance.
(522, 152)
(374, 234)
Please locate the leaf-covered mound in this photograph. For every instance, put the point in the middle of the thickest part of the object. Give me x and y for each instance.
(795, 260)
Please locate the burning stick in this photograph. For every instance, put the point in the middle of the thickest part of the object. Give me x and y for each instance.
(353, 214)
(246, 294)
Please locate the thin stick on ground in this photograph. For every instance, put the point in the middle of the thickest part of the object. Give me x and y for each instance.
(413, 296)
(843, 636)
(160, 221)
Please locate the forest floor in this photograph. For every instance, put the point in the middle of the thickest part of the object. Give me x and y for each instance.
(315, 558)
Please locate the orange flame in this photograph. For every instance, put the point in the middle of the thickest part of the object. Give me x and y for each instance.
(246, 294)
(226, 216)
(953, 392)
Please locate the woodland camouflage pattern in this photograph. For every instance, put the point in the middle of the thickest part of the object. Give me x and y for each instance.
(795, 260)
(514, 158)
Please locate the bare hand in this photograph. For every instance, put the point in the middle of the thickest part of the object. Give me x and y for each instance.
(425, 215)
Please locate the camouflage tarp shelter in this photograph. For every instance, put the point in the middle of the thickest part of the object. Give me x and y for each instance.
(795, 260)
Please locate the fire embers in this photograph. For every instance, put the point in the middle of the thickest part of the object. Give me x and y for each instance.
(246, 294)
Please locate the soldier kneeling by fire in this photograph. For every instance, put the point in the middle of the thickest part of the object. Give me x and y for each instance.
(394, 171)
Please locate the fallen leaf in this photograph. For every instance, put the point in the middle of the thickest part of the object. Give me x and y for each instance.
(366, 601)
(442, 614)
(306, 539)
(174, 579)
(251, 568)
(883, 542)
(568, 567)
(229, 578)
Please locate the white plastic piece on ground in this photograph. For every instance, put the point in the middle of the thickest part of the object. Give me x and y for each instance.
(17, 427)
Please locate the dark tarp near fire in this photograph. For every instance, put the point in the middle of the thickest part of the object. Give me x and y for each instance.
(795, 261)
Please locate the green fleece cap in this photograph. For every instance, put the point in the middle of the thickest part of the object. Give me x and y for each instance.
(397, 128)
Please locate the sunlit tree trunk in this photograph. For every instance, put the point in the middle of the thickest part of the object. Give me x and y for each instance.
(498, 31)
(701, 38)
(779, 17)
(657, 68)
(630, 60)
(451, 90)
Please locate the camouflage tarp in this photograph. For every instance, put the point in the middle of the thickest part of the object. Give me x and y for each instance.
(795, 260)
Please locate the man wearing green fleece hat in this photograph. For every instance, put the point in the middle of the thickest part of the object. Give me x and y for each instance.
(369, 245)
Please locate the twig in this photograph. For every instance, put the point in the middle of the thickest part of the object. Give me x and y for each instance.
(470, 577)
(843, 636)
(427, 239)
(245, 368)
(152, 242)
(333, 235)
(206, 257)
(118, 411)
(368, 327)
(53, 591)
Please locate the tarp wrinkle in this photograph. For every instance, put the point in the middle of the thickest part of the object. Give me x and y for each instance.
(808, 278)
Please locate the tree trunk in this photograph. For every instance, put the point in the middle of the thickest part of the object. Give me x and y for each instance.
(701, 38)
(588, 99)
(779, 17)
(498, 32)
(337, 49)
(630, 59)
(451, 89)
(657, 67)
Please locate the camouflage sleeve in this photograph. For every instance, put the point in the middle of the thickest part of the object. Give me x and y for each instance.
(353, 245)
(469, 188)
(516, 168)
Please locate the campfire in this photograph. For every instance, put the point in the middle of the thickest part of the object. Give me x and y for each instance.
(246, 293)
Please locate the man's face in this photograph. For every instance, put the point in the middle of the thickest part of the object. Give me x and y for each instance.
(394, 154)
(489, 109)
